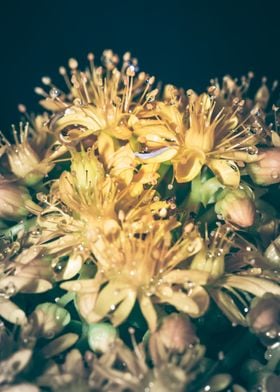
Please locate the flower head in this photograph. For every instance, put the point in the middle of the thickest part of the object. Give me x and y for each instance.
(196, 138)
(143, 268)
(24, 161)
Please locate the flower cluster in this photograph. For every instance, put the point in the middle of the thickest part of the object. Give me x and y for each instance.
(126, 205)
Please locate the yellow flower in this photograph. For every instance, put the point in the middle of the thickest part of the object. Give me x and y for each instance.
(24, 161)
(197, 138)
(102, 103)
(226, 280)
(95, 204)
(143, 268)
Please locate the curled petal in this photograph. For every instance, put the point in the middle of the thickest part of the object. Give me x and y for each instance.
(255, 286)
(228, 307)
(189, 166)
(227, 172)
(124, 308)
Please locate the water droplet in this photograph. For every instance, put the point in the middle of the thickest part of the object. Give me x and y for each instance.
(252, 150)
(274, 175)
(207, 388)
(221, 355)
(113, 307)
(54, 93)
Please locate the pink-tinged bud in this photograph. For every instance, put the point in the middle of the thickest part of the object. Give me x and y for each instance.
(266, 171)
(13, 201)
(264, 318)
(236, 206)
(175, 335)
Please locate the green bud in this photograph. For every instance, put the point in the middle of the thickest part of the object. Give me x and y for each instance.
(101, 336)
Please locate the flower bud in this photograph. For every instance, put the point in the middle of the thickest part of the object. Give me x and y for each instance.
(264, 318)
(50, 319)
(14, 200)
(101, 336)
(26, 165)
(236, 206)
(175, 335)
(266, 171)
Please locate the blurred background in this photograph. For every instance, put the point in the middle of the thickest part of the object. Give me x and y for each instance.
(181, 42)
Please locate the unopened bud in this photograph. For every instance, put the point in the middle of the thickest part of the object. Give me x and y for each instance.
(264, 318)
(236, 206)
(266, 171)
(175, 335)
(13, 199)
(177, 332)
(101, 336)
(50, 319)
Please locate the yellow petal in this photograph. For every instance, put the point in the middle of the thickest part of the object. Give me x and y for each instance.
(82, 285)
(25, 284)
(255, 286)
(183, 303)
(227, 172)
(148, 311)
(85, 303)
(124, 308)
(73, 266)
(109, 297)
(189, 166)
(228, 307)
(106, 147)
(119, 132)
(11, 312)
(183, 276)
(154, 132)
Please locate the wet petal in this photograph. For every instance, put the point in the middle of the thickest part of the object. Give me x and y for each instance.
(148, 311)
(11, 312)
(182, 276)
(253, 285)
(124, 308)
(227, 172)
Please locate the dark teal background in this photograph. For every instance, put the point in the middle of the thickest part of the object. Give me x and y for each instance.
(182, 42)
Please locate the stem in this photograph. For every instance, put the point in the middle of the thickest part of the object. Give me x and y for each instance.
(208, 216)
(193, 200)
(65, 299)
(14, 230)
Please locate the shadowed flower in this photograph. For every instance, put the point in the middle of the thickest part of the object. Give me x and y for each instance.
(226, 280)
(24, 161)
(14, 280)
(197, 138)
(16, 202)
(134, 268)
